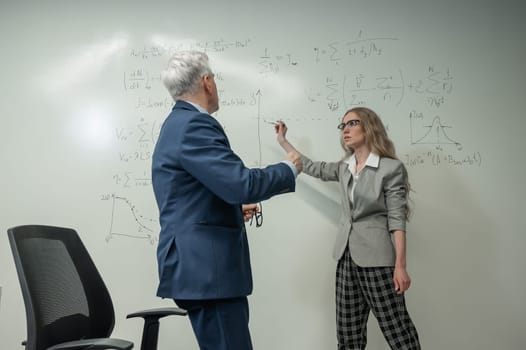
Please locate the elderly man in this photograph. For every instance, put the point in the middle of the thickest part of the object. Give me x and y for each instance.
(201, 186)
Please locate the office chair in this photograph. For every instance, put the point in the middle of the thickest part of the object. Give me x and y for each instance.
(68, 306)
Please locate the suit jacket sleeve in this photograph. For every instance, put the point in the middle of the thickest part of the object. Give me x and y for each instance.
(206, 154)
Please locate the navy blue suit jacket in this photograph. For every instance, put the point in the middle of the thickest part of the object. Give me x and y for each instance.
(199, 185)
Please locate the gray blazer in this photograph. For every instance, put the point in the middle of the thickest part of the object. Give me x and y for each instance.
(379, 208)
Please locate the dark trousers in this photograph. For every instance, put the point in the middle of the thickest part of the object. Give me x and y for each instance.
(219, 324)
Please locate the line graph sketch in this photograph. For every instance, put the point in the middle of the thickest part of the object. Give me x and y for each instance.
(127, 221)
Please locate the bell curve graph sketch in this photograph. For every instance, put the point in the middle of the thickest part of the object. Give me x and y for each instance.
(434, 134)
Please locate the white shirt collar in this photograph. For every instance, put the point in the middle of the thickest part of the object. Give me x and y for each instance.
(373, 160)
(199, 108)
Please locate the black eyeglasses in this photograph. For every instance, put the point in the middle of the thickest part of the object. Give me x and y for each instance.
(258, 215)
(350, 123)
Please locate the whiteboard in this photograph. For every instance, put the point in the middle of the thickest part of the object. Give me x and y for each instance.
(83, 103)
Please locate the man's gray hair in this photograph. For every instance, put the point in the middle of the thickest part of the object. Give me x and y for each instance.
(184, 71)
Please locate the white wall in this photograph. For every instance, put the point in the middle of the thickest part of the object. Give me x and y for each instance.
(82, 104)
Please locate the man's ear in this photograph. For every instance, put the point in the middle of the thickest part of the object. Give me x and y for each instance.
(207, 83)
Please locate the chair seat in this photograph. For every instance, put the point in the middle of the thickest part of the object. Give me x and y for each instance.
(94, 344)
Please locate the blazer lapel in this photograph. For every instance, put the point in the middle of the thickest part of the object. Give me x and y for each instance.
(346, 184)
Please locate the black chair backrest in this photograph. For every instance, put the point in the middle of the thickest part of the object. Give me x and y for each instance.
(64, 295)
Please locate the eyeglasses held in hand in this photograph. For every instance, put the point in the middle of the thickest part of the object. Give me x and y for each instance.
(349, 123)
(258, 215)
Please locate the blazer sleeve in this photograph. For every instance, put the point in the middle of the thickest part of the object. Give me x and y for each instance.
(326, 171)
(395, 192)
(206, 154)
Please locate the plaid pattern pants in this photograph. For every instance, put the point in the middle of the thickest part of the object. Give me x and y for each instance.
(362, 289)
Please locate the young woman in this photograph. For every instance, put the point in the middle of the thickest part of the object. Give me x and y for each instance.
(370, 247)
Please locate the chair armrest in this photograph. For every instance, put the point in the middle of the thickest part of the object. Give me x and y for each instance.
(151, 318)
(158, 313)
(95, 344)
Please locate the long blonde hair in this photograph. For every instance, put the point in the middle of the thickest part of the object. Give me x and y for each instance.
(377, 141)
(376, 137)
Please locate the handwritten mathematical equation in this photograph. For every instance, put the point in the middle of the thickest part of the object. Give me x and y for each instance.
(135, 156)
(219, 45)
(140, 78)
(129, 179)
(274, 63)
(154, 102)
(144, 132)
(249, 98)
(336, 51)
(438, 158)
(349, 90)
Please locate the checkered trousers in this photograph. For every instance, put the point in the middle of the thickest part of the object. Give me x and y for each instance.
(362, 289)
